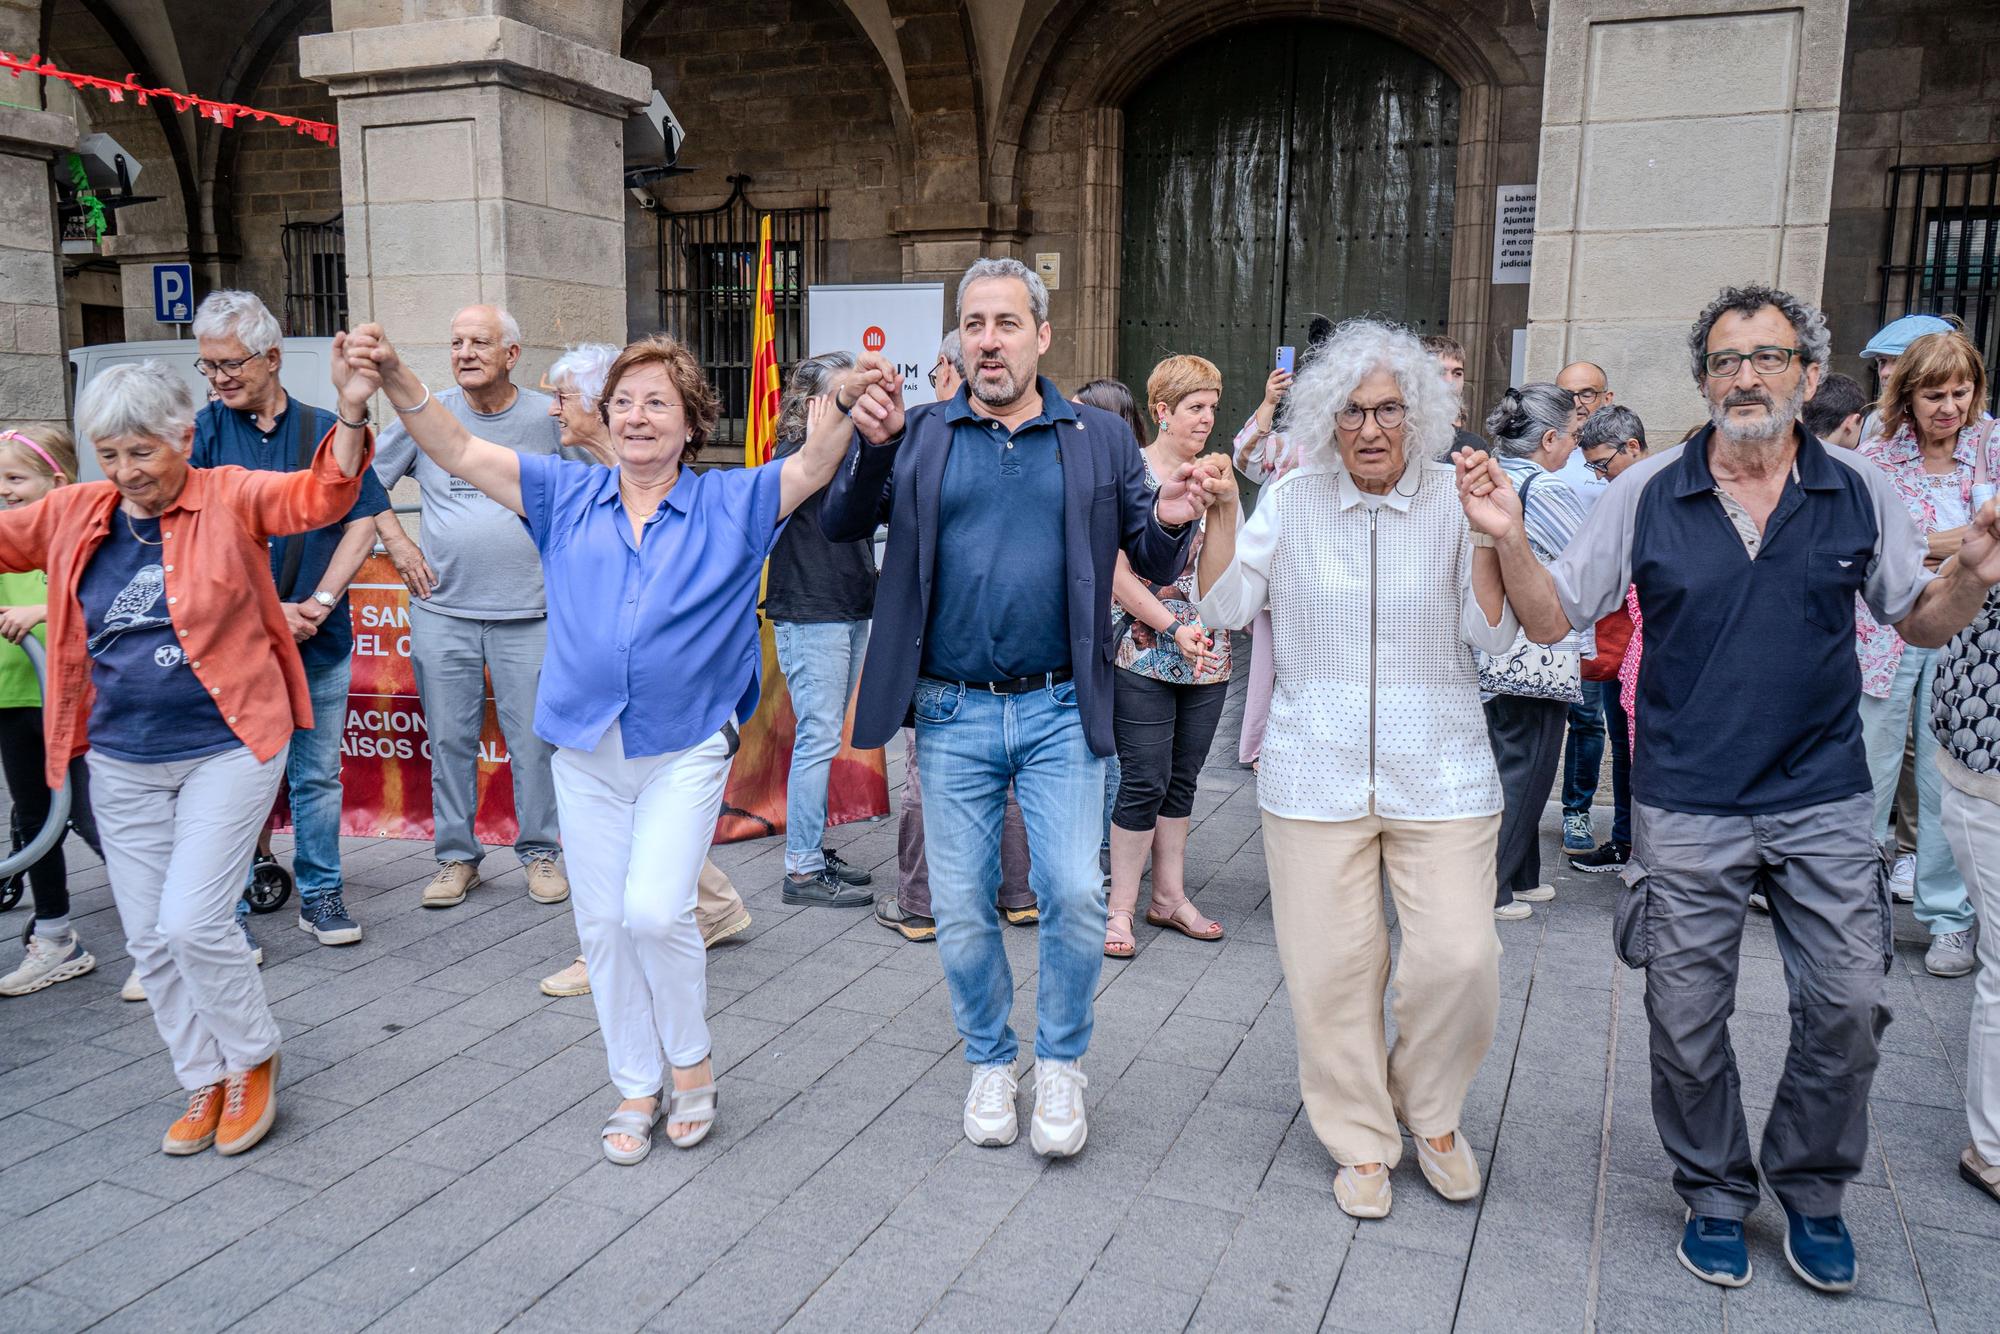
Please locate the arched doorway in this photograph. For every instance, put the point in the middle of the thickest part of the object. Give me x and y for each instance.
(1274, 171)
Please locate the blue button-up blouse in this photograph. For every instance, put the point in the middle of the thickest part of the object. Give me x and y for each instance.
(658, 634)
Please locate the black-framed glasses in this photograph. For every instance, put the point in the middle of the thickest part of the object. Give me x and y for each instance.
(1585, 397)
(210, 369)
(1388, 416)
(1602, 467)
(1763, 360)
(936, 372)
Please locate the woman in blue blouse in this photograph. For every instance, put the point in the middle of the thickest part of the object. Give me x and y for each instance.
(651, 571)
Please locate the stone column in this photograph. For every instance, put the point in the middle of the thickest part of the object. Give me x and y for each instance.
(1687, 145)
(481, 159)
(34, 387)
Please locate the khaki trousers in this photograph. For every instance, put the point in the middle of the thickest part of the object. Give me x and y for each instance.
(716, 900)
(1333, 943)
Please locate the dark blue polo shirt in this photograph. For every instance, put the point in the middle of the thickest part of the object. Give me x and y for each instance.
(1749, 683)
(998, 605)
(223, 435)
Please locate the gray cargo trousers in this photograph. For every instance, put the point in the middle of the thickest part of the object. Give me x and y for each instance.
(1680, 918)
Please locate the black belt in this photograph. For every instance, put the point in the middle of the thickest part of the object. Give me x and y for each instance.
(1020, 685)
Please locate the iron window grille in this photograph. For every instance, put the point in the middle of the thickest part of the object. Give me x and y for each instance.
(1941, 250)
(708, 289)
(315, 278)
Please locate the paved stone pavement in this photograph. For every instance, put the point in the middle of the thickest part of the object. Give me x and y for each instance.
(435, 1165)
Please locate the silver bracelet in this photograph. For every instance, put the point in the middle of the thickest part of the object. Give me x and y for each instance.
(361, 425)
(414, 408)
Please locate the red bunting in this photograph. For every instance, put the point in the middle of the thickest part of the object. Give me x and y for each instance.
(222, 113)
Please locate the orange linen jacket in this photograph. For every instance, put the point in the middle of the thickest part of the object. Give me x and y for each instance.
(220, 596)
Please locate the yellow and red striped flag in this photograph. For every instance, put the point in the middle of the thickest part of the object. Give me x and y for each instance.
(760, 432)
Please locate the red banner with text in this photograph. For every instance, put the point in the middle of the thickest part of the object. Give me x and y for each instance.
(385, 769)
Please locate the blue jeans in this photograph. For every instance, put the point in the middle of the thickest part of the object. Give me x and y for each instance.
(974, 743)
(821, 662)
(1583, 756)
(1942, 902)
(313, 774)
(1618, 731)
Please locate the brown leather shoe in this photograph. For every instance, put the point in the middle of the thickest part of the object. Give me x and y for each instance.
(1979, 1172)
(195, 1131)
(249, 1105)
(448, 887)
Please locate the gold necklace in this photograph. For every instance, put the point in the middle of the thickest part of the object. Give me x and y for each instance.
(134, 530)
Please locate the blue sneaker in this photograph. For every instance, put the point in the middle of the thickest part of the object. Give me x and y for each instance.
(326, 917)
(1820, 1251)
(1577, 833)
(1713, 1250)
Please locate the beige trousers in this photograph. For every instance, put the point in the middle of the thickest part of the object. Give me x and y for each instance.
(1333, 943)
(715, 899)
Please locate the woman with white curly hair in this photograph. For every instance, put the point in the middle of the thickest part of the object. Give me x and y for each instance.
(1375, 758)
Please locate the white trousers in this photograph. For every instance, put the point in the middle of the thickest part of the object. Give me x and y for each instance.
(1972, 827)
(178, 839)
(635, 834)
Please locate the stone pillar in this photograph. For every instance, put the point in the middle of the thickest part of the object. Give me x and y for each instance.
(1687, 145)
(481, 159)
(34, 387)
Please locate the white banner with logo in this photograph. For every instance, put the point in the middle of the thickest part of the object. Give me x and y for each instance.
(902, 321)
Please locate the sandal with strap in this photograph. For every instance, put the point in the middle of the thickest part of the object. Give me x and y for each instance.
(1116, 948)
(639, 1125)
(1200, 928)
(692, 1105)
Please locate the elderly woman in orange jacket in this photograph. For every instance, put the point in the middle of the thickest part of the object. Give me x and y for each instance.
(170, 661)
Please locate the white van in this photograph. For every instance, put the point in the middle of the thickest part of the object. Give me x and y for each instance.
(305, 373)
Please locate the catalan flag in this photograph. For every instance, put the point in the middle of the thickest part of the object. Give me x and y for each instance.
(760, 434)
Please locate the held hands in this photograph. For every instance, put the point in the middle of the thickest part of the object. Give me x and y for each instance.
(302, 626)
(875, 389)
(1492, 506)
(1979, 548)
(16, 622)
(1208, 480)
(1195, 646)
(355, 381)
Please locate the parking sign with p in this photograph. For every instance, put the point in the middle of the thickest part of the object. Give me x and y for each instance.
(173, 293)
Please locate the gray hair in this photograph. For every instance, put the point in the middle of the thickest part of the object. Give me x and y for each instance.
(810, 378)
(238, 315)
(142, 398)
(584, 368)
(1612, 425)
(1815, 342)
(952, 349)
(1354, 351)
(1525, 415)
(981, 269)
(510, 328)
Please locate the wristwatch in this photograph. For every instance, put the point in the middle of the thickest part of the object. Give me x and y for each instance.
(325, 599)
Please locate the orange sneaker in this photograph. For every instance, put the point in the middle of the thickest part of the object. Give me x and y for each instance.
(196, 1130)
(250, 1104)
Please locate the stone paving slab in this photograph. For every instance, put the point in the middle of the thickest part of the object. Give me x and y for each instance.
(435, 1165)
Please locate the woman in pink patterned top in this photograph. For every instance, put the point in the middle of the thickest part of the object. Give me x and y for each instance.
(1935, 443)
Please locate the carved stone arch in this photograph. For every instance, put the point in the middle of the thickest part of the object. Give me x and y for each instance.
(263, 41)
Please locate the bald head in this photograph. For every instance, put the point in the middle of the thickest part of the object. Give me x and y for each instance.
(485, 345)
(1589, 384)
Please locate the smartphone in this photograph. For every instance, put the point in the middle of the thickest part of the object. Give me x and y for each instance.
(1286, 356)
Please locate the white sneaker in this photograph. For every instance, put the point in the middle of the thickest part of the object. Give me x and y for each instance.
(1539, 894)
(134, 989)
(990, 1120)
(47, 963)
(1059, 1125)
(1760, 902)
(1514, 912)
(1903, 880)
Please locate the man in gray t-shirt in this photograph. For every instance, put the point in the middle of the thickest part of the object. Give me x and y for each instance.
(476, 608)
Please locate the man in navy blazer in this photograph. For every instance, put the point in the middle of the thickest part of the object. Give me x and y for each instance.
(1006, 506)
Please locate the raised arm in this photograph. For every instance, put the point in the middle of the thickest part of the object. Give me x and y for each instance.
(280, 503)
(862, 493)
(1506, 573)
(1949, 602)
(494, 469)
(827, 432)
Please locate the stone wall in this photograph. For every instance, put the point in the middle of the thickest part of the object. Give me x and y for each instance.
(1921, 86)
(791, 93)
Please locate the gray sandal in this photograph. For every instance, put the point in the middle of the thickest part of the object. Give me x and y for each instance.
(639, 1125)
(692, 1105)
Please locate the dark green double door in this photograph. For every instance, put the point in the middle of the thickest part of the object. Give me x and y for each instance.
(1273, 172)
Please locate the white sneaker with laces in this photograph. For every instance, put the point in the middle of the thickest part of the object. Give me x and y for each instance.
(1903, 880)
(1539, 894)
(47, 963)
(990, 1120)
(1059, 1126)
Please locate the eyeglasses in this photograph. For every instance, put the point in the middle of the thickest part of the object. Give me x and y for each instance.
(1602, 467)
(653, 407)
(1585, 397)
(210, 369)
(1763, 360)
(1388, 416)
(937, 373)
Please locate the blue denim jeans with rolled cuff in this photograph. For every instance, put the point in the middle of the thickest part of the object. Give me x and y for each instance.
(974, 744)
(821, 662)
(1583, 752)
(312, 775)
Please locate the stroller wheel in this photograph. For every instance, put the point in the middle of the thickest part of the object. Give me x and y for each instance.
(10, 890)
(270, 884)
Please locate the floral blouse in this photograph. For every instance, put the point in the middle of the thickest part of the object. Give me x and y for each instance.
(1148, 652)
(1937, 501)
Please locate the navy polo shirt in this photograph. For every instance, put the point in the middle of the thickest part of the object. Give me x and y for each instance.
(1749, 683)
(999, 607)
(224, 435)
